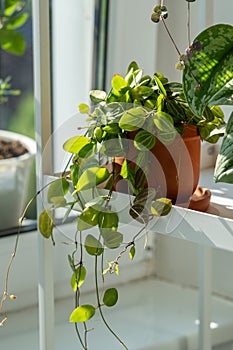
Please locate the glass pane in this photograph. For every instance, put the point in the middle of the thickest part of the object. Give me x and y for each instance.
(17, 174)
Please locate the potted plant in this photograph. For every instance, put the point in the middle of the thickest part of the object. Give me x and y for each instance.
(139, 111)
(164, 132)
(17, 152)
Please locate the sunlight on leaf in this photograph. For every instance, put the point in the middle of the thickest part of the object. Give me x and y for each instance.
(78, 277)
(92, 177)
(82, 313)
(75, 144)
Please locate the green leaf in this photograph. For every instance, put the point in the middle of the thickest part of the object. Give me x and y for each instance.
(110, 297)
(12, 41)
(108, 219)
(78, 278)
(87, 150)
(74, 173)
(82, 313)
(133, 119)
(114, 146)
(112, 238)
(92, 177)
(132, 252)
(17, 21)
(160, 85)
(97, 96)
(88, 218)
(71, 262)
(84, 108)
(75, 144)
(141, 92)
(166, 131)
(161, 207)
(208, 75)
(144, 140)
(93, 246)
(112, 128)
(46, 223)
(224, 165)
(119, 84)
(57, 189)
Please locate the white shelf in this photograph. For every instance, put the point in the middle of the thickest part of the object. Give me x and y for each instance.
(213, 228)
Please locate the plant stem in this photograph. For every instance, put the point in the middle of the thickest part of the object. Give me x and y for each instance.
(188, 25)
(170, 36)
(100, 307)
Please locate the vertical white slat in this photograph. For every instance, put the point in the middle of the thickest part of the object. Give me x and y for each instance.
(206, 13)
(42, 94)
(205, 287)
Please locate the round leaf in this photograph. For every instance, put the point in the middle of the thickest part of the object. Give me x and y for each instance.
(110, 297)
(92, 177)
(133, 119)
(84, 108)
(166, 131)
(93, 246)
(108, 219)
(144, 140)
(82, 313)
(112, 238)
(88, 218)
(57, 188)
(75, 144)
(12, 41)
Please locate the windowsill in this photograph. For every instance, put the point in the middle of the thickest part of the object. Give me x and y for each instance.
(221, 195)
(28, 225)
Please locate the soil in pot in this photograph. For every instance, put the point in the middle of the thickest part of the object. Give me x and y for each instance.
(10, 149)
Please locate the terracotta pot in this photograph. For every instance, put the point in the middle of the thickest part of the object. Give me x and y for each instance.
(173, 170)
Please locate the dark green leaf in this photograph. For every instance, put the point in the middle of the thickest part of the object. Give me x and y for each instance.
(12, 41)
(208, 75)
(144, 140)
(93, 246)
(110, 297)
(132, 252)
(224, 165)
(108, 219)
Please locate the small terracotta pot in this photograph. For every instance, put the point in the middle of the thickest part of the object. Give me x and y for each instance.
(173, 170)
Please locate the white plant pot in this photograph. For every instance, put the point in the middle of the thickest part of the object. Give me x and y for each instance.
(14, 175)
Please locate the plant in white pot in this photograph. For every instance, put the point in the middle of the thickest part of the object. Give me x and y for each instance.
(17, 152)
